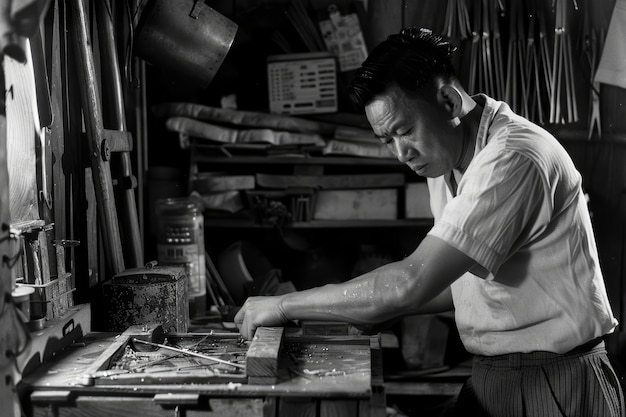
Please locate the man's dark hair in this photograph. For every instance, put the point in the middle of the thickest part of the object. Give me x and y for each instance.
(412, 60)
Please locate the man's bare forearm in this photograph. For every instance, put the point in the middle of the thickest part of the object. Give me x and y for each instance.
(378, 296)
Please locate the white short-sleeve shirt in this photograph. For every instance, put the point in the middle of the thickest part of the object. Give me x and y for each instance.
(521, 214)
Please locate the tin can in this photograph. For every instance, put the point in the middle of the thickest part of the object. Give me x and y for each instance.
(180, 241)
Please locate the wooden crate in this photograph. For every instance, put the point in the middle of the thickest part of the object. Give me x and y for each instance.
(53, 298)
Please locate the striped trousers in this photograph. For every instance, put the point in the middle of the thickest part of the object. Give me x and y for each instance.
(581, 383)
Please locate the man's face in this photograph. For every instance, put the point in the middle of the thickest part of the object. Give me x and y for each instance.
(418, 132)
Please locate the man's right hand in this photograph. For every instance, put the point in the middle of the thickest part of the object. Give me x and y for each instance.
(257, 312)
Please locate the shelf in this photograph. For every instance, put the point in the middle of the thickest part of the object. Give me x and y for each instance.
(297, 160)
(320, 224)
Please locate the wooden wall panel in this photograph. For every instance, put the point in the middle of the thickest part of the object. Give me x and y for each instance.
(425, 13)
(23, 132)
(384, 17)
(604, 178)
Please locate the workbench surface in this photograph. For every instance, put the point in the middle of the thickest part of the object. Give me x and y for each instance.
(337, 366)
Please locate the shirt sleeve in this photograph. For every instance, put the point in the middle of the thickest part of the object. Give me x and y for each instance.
(501, 203)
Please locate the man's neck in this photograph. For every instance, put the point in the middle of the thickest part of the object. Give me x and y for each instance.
(469, 124)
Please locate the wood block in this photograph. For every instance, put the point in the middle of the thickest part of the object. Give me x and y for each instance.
(368, 204)
(262, 357)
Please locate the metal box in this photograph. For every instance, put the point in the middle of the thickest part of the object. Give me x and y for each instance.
(157, 294)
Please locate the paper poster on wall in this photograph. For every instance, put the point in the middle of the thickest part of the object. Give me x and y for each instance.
(343, 38)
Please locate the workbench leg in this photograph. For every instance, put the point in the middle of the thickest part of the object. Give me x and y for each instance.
(297, 407)
(339, 408)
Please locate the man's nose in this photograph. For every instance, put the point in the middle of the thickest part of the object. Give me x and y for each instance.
(400, 150)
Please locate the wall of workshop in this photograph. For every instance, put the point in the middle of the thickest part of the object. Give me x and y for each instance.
(263, 22)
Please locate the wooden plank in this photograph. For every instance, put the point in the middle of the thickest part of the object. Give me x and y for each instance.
(23, 132)
(262, 357)
(370, 204)
(57, 334)
(331, 181)
(423, 388)
(118, 406)
(97, 406)
(210, 182)
(9, 338)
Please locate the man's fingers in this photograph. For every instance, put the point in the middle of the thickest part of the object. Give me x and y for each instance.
(240, 316)
(248, 329)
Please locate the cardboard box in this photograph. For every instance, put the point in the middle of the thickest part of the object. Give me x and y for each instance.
(417, 201)
(368, 204)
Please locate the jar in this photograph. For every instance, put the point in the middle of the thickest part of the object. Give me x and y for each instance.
(180, 241)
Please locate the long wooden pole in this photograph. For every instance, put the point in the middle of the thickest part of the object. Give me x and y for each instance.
(117, 117)
(100, 166)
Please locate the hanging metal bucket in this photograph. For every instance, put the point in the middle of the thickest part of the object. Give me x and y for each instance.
(186, 37)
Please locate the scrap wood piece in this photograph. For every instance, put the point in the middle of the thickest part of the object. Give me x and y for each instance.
(262, 357)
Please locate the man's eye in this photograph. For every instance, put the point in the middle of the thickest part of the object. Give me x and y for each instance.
(385, 141)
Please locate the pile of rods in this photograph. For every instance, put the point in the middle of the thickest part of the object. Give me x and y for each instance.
(519, 51)
(537, 78)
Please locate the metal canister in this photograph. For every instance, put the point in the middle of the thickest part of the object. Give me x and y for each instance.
(180, 241)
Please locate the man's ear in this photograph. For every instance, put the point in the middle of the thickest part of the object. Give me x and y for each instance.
(450, 98)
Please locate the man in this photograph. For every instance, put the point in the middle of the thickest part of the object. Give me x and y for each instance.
(512, 248)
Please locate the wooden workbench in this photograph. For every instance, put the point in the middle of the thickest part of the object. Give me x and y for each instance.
(353, 387)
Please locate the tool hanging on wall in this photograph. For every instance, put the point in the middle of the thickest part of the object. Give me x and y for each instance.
(516, 93)
(298, 16)
(457, 23)
(591, 44)
(114, 109)
(101, 142)
(563, 108)
(486, 67)
(538, 72)
(544, 56)
(495, 11)
(594, 118)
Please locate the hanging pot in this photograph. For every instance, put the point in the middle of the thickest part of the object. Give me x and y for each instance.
(186, 37)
